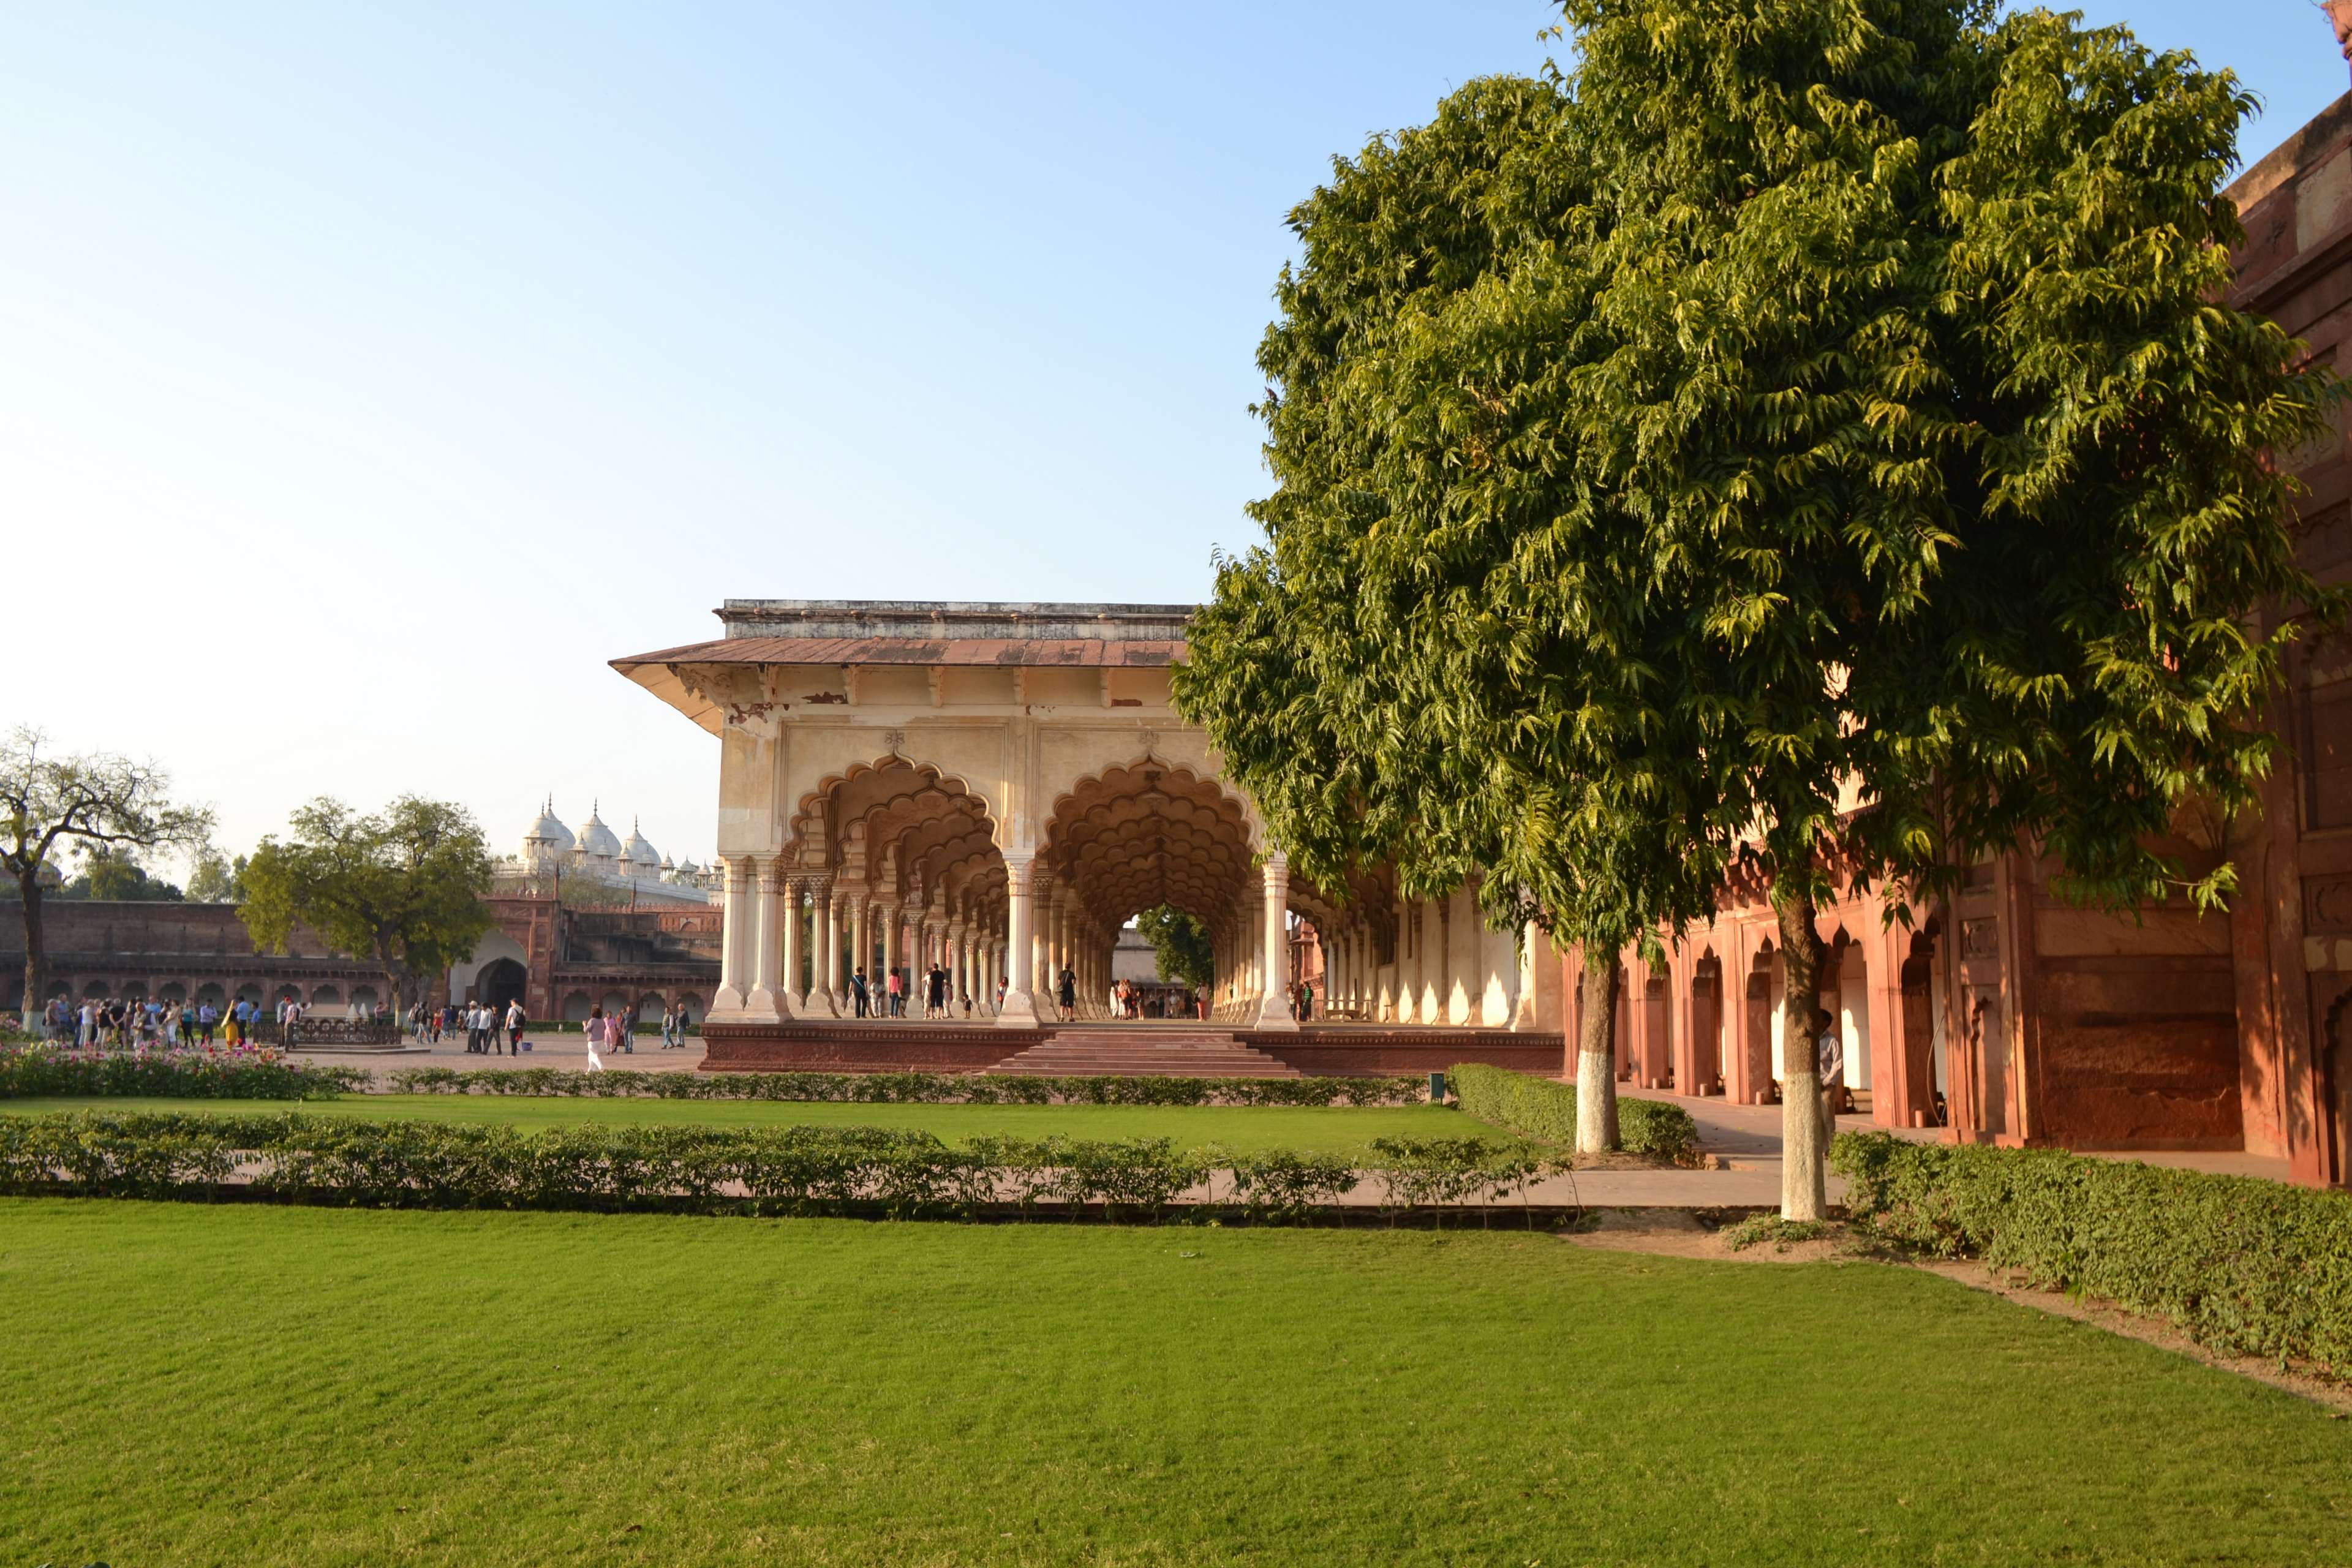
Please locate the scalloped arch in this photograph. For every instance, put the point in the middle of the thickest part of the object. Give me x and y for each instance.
(811, 813)
(1139, 835)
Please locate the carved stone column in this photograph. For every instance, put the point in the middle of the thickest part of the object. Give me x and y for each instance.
(1019, 1011)
(861, 942)
(789, 988)
(765, 1000)
(886, 924)
(1274, 1009)
(935, 944)
(824, 982)
(735, 939)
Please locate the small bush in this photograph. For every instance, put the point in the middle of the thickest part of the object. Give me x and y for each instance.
(1279, 1185)
(1545, 1111)
(910, 1087)
(176, 1075)
(2241, 1264)
(1423, 1172)
(1759, 1228)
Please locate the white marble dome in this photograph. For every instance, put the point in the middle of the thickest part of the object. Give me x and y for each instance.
(549, 829)
(596, 839)
(637, 852)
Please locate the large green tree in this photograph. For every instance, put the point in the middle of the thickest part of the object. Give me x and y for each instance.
(404, 887)
(1445, 656)
(1834, 460)
(106, 806)
(1954, 462)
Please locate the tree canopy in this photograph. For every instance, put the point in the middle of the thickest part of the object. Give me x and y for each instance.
(1181, 945)
(1807, 434)
(113, 872)
(214, 879)
(404, 887)
(103, 805)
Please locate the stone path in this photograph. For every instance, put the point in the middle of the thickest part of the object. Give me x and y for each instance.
(1748, 1136)
(547, 1051)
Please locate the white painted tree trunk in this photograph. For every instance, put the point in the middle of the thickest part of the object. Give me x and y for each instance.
(1596, 1065)
(1804, 1143)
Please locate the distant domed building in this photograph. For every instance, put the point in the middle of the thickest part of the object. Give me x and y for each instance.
(597, 856)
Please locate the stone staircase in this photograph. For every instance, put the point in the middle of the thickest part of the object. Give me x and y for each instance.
(1143, 1050)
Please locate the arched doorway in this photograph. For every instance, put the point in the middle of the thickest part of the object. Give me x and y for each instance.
(1760, 1056)
(496, 947)
(898, 869)
(1150, 835)
(1706, 1046)
(501, 981)
(2335, 1089)
(1925, 1069)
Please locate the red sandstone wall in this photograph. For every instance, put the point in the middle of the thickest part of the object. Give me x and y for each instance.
(2294, 924)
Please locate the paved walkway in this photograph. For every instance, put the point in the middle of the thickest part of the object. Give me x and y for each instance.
(552, 1050)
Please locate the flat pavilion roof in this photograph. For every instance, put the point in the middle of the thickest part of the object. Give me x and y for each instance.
(915, 631)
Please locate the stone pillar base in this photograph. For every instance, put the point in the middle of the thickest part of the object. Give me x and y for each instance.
(1274, 1013)
(1019, 1012)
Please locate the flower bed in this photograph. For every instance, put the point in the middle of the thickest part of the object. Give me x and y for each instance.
(256, 1072)
(1543, 1110)
(2241, 1264)
(290, 1157)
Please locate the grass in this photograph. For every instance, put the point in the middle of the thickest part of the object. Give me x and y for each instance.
(1309, 1129)
(252, 1386)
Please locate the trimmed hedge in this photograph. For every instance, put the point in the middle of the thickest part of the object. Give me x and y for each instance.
(187, 1075)
(910, 1087)
(289, 1157)
(1545, 1111)
(2241, 1264)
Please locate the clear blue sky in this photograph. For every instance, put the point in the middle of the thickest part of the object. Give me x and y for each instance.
(369, 375)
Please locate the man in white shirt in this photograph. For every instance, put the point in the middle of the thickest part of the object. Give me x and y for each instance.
(1830, 1047)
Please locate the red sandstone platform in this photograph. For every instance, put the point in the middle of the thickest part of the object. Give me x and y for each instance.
(1138, 1049)
(1166, 1052)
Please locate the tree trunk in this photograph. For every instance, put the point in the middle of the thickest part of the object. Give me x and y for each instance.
(1804, 1142)
(1596, 1056)
(395, 979)
(28, 888)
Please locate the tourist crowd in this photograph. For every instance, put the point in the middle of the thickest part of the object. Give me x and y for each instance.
(127, 1021)
(930, 991)
(490, 1031)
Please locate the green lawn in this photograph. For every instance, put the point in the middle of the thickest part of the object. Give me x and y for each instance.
(1314, 1130)
(245, 1386)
